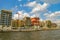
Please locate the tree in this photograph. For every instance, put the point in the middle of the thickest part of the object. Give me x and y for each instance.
(48, 23)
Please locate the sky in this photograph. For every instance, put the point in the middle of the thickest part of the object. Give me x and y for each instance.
(44, 9)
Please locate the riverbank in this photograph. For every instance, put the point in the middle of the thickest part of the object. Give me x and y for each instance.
(27, 30)
(22, 29)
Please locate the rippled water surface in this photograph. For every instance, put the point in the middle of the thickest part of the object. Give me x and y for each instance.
(36, 35)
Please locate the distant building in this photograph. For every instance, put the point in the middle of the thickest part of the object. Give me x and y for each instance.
(17, 23)
(13, 23)
(6, 17)
(0, 19)
(27, 21)
(21, 23)
(35, 21)
(54, 25)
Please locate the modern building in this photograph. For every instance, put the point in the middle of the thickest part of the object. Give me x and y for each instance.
(54, 25)
(6, 17)
(13, 23)
(21, 23)
(17, 23)
(27, 21)
(0, 19)
(35, 21)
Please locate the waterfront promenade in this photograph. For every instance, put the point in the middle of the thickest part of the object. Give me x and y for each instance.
(26, 29)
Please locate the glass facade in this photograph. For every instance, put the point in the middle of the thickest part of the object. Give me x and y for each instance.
(6, 17)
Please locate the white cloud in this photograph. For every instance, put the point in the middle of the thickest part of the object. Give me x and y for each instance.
(15, 16)
(26, 15)
(46, 14)
(53, 16)
(41, 19)
(39, 8)
(20, 12)
(33, 16)
(57, 13)
(32, 4)
(49, 1)
(20, 15)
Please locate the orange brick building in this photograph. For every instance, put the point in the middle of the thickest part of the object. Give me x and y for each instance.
(35, 21)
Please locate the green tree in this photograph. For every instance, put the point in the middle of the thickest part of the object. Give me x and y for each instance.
(48, 23)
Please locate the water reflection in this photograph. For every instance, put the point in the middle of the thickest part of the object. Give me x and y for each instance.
(38, 35)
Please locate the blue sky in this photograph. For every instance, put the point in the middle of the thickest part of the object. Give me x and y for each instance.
(20, 5)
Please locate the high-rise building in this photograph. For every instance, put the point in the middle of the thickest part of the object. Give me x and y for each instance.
(0, 19)
(6, 17)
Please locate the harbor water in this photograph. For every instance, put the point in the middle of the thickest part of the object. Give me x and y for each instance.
(35, 35)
